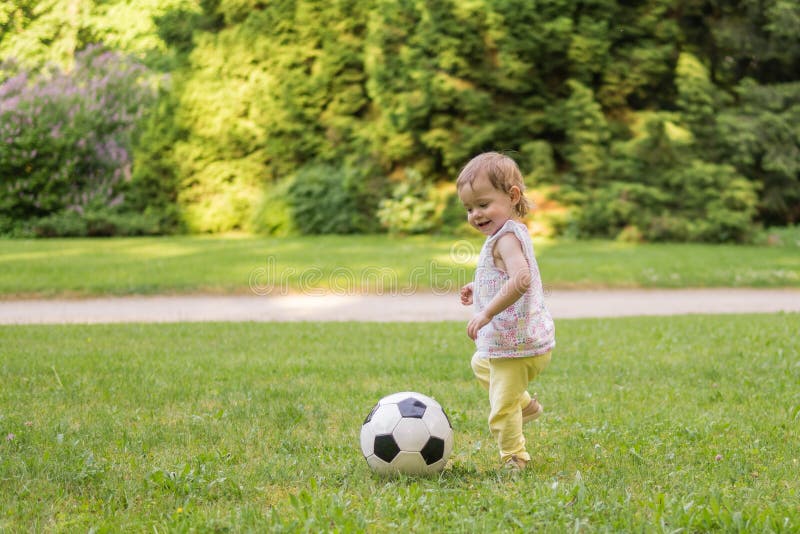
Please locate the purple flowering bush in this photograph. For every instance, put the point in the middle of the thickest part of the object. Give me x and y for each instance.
(66, 141)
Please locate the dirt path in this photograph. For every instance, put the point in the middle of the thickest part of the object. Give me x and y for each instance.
(419, 307)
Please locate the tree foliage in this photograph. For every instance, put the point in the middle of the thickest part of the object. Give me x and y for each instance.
(651, 119)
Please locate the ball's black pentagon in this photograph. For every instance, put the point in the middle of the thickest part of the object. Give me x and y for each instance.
(370, 414)
(412, 407)
(386, 447)
(433, 451)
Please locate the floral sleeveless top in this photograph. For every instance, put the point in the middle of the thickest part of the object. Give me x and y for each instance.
(523, 329)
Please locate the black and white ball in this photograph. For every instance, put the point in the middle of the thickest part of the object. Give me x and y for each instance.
(407, 433)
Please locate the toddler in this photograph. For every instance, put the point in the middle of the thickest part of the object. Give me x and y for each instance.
(513, 331)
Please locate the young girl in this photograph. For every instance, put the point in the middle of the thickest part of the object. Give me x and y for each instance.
(512, 329)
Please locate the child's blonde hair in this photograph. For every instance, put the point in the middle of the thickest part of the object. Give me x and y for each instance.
(502, 172)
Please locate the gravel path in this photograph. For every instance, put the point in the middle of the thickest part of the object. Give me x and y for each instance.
(563, 304)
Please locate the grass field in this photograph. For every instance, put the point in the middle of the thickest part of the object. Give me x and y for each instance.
(344, 264)
(652, 425)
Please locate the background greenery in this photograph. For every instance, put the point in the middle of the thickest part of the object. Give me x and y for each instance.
(254, 427)
(644, 120)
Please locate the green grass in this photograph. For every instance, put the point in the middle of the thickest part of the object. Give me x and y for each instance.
(652, 424)
(83, 267)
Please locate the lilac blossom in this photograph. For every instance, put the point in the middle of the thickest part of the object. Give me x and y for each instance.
(65, 137)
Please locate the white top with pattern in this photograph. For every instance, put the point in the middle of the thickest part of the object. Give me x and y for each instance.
(523, 329)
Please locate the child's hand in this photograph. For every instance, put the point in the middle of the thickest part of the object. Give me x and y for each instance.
(478, 321)
(466, 295)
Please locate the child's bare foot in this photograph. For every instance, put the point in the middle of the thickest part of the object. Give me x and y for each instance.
(532, 411)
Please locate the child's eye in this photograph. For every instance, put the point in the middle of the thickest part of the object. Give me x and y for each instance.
(483, 204)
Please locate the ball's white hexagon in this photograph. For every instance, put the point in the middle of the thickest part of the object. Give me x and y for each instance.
(437, 423)
(410, 463)
(448, 448)
(435, 467)
(385, 419)
(394, 398)
(367, 440)
(379, 466)
(411, 434)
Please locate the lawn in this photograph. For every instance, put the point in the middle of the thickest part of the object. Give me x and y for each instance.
(349, 264)
(651, 424)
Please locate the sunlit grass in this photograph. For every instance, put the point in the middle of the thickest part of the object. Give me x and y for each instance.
(651, 424)
(345, 264)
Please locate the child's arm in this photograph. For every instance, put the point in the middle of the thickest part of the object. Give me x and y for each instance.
(509, 250)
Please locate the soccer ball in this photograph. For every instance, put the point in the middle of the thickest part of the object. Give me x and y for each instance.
(407, 433)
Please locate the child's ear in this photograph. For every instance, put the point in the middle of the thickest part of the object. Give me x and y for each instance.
(515, 195)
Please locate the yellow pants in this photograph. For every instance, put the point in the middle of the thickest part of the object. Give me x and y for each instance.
(507, 380)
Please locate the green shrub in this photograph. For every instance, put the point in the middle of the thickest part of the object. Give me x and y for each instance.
(98, 221)
(618, 205)
(667, 193)
(454, 217)
(330, 200)
(760, 137)
(221, 195)
(66, 140)
(273, 213)
(537, 163)
(699, 202)
(413, 208)
(587, 135)
(154, 187)
(787, 236)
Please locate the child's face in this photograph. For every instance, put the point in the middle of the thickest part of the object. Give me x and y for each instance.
(488, 208)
